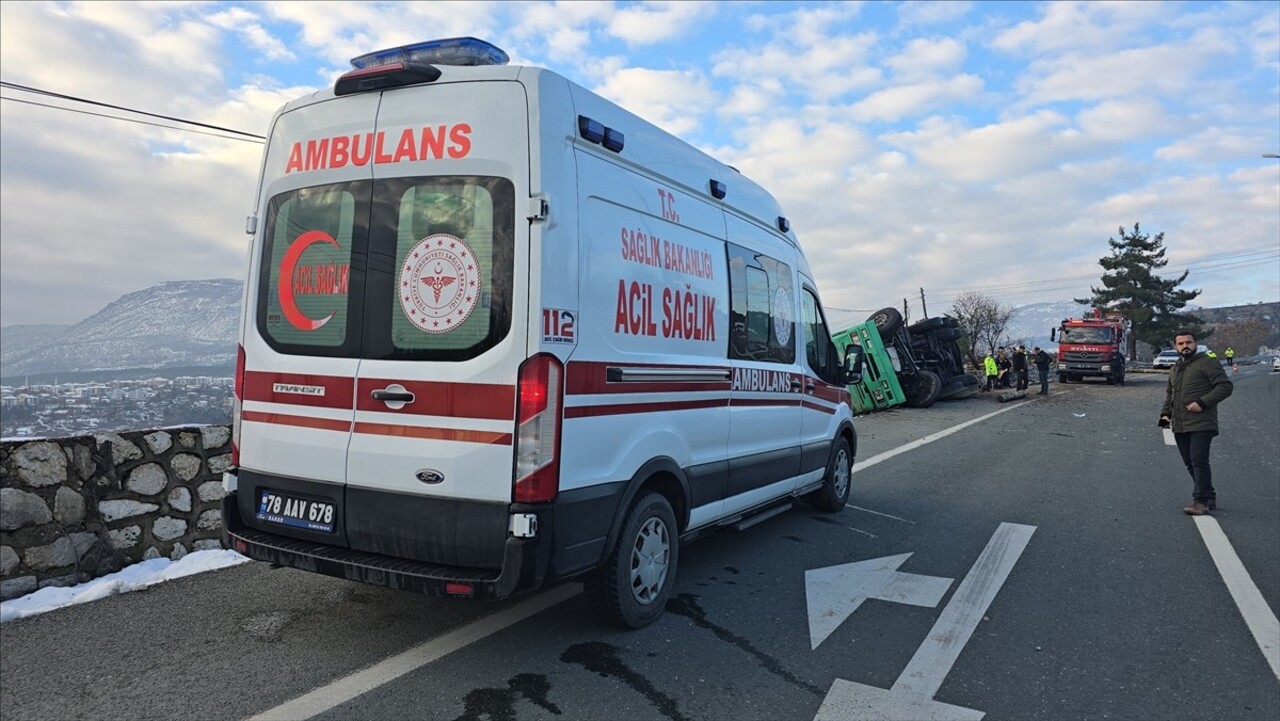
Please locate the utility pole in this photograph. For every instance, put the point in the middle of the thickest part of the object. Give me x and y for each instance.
(906, 314)
(923, 307)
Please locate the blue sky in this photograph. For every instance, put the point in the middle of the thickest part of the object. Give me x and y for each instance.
(954, 146)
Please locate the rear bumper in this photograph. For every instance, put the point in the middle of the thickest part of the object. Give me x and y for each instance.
(520, 563)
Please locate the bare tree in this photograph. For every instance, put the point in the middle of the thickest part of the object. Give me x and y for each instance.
(983, 321)
(1245, 336)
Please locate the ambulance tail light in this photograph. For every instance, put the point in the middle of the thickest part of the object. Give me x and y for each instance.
(539, 412)
(236, 407)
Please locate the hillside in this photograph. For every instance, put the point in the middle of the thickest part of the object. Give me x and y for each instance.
(170, 325)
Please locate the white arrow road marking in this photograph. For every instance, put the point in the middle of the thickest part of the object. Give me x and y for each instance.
(1258, 616)
(835, 592)
(911, 697)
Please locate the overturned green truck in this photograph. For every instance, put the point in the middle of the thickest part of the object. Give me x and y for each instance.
(914, 365)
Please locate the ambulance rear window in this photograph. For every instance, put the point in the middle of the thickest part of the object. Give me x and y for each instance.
(304, 290)
(452, 238)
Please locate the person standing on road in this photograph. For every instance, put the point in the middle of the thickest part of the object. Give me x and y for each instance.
(1117, 367)
(1197, 384)
(1230, 353)
(1020, 366)
(1042, 361)
(989, 365)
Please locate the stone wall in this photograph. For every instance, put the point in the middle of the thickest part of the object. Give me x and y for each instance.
(74, 509)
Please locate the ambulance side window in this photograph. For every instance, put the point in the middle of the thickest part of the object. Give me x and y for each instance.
(818, 346)
(761, 308)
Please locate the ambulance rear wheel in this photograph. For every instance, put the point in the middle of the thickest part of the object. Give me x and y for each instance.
(632, 588)
(835, 488)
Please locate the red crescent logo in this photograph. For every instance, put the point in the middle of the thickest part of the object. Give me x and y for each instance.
(291, 256)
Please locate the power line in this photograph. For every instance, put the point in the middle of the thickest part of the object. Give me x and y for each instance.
(132, 120)
(73, 98)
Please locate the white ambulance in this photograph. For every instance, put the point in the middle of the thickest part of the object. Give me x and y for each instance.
(499, 332)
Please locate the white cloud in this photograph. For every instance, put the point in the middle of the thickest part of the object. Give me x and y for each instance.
(899, 101)
(925, 57)
(670, 99)
(1084, 25)
(248, 26)
(653, 22)
(931, 12)
(1125, 120)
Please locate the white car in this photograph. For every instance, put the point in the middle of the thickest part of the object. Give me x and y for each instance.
(1275, 364)
(1166, 359)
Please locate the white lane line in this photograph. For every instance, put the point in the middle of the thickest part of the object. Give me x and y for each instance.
(1258, 616)
(859, 530)
(878, 513)
(925, 672)
(882, 457)
(346, 688)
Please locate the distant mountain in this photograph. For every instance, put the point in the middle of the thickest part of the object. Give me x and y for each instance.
(17, 340)
(1030, 323)
(178, 324)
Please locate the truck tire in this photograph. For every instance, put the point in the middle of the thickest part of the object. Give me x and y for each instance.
(1062, 377)
(888, 322)
(927, 324)
(959, 388)
(948, 334)
(834, 493)
(632, 588)
(924, 392)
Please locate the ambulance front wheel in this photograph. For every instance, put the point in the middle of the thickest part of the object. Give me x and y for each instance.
(835, 489)
(633, 586)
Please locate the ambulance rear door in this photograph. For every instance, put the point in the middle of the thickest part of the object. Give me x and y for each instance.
(431, 456)
(302, 334)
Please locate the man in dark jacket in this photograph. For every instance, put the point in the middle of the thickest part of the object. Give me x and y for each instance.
(1042, 361)
(1020, 367)
(1197, 384)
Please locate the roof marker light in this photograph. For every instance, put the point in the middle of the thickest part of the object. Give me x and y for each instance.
(613, 140)
(783, 224)
(449, 51)
(718, 189)
(591, 130)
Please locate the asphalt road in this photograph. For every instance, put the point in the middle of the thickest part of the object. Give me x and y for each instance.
(1096, 598)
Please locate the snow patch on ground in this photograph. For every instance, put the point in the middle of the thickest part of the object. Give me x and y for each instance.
(134, 578)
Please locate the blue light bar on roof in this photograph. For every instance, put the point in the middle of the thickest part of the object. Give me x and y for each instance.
(450, 51)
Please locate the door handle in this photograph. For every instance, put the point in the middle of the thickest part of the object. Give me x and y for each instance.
(795, 385)
(393, 396)
(810, 387)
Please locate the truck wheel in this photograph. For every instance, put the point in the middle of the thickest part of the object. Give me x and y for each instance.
(1062, 377)
(927, 324)
(834, 493)
(888, 321)
(924, 392)
(633, 586)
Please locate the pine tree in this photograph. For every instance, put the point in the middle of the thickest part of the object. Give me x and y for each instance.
(1130, 286)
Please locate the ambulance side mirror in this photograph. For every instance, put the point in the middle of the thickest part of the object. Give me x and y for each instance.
(1053, 334)
(851, 372)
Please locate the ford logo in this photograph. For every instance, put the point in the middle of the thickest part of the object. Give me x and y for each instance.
(429, 475)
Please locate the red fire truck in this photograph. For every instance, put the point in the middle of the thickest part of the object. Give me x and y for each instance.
(1086, 346)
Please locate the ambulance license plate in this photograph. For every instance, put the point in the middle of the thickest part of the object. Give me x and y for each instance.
(305, 513)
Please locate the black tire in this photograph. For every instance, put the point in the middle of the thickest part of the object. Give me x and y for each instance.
(959, 388)
(927, 324)
(888, 322)
(1062, 378)
(632, 588)
(925, 390)
(834, 493)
